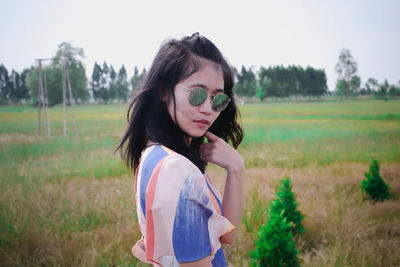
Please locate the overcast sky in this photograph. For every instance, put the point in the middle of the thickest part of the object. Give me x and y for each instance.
(250, 33)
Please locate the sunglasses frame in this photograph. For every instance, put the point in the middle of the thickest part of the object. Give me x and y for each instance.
(212, 99)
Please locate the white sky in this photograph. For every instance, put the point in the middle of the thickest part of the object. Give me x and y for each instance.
(250, 33)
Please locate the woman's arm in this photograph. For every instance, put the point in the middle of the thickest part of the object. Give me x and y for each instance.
(233, 201)
(217, 151)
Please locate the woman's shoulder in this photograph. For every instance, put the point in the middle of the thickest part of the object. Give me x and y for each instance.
(167, 159)
(167, 170)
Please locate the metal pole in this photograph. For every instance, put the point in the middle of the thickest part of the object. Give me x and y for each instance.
(44, 100)
(39, 94)
(46, 104)
(64, 98)
(71, 100)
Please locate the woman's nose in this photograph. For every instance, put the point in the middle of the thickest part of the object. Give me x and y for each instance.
(206, 107)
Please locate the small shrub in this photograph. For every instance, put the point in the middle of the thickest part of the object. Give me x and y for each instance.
(286, 203)
(374, 185)
(275, 245)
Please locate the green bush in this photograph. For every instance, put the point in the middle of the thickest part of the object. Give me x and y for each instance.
(374, 185)
(275, 245)
(286, 203)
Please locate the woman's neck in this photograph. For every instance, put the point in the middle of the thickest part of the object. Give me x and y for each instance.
(188, 140)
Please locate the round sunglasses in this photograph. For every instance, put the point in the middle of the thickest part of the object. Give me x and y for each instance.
(198, 96)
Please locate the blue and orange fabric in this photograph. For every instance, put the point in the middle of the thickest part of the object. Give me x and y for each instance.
(179, 211)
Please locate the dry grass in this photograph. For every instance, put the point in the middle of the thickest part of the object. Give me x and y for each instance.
(86, 221)
(341, 228)
(19, 138)
(75, 222)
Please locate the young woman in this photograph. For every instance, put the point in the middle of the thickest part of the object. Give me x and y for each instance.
(182, 117)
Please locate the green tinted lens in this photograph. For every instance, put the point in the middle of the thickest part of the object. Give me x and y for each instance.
(220, 102)
(197, 96)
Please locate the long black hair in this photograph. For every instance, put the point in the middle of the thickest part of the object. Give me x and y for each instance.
(148, 116)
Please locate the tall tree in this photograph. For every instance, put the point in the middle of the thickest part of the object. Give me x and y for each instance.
(383, 89)
(18, 90)
(105, 83)
(246, 82)
(394, 90)
(5, 85)
(122, 84)
(370, 86)
(113, 88)
(348, 82)
(77, 74)
(52, 77)
(266, 82)
(316, 82)
(355, 84)
(135, 80)
(95, 82)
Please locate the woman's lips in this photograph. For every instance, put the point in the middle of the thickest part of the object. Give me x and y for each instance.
(202, 123)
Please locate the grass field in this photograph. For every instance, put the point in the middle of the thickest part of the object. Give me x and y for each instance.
(68, 202)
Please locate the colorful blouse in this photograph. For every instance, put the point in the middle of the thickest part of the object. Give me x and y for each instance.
(179, 211)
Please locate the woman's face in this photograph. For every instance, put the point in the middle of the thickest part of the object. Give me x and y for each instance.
(195, 120)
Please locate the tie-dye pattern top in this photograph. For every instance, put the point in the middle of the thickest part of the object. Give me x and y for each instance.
(179, 211)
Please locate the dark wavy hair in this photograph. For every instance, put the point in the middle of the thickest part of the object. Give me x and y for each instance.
(148, 116)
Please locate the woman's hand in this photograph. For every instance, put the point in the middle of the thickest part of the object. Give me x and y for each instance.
(217, 151)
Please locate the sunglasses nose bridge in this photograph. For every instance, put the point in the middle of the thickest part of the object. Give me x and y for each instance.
(207, 105)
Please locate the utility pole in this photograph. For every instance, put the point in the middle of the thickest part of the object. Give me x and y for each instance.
(64, 81)
(71, 99)
(46, 104)
(39, 96)
(42, 97)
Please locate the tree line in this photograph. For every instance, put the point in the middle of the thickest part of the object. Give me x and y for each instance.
(349, 83)
(13, 87)
(278, 81)
(107, 85)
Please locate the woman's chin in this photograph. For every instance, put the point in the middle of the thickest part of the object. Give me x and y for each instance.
(198, 134)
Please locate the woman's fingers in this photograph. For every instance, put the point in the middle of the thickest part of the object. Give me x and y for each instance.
(215, 150)
(211, 137)
(206, 152)
(219, 152)
(207, 146)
